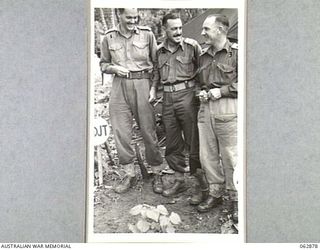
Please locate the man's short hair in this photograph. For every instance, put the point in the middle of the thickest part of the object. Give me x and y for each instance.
(120, 10)
(170, 15)
(221, 19)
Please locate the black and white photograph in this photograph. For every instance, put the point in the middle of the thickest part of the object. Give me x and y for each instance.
(165, 155)
(160, 124)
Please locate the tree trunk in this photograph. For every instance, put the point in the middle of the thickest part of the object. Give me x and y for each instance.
(109, 17)
(103, 20)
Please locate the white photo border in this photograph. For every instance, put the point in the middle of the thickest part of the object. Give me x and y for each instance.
(233, 239)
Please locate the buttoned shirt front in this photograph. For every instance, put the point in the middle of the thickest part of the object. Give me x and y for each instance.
(178, 65)
(218, 69)
(135, 52)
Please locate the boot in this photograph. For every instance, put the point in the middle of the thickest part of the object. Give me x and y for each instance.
(178, 187)
(209, 203)
(202, 191)
(125, 185)
(235, 212)
(232, 209)
(199, 196)
(157, 184)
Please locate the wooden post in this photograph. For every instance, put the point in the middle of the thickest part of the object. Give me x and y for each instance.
(100, 167)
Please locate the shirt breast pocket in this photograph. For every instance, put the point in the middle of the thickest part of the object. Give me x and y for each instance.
(184, 66)
(163, 68)
(204, 73)
(140, 50)
(227, 72)
(116, 51)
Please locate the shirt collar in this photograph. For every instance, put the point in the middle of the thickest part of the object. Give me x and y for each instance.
(135, 30)
(210, 50)
(227, 46)
(165, 44)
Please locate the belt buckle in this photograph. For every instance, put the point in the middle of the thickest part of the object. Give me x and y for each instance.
(186, 84)
(139, 74)
(173, 88)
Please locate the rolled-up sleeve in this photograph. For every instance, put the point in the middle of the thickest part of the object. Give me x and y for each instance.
(106, 65)
(231, 90)
(197, 53)
(154, 58)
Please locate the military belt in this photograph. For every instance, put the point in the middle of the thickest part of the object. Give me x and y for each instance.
(178, 86)
(144, 74)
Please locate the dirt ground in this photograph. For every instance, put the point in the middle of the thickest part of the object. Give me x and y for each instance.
(112, 210)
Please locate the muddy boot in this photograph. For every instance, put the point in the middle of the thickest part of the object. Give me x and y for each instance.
(125, 185)
(232, 209)
(208, 204)
(157, 184)
(235, 212)
(202, 191)
(178, 187)
(196, 198)
(199, 196)
(232, 205)
(128, 180)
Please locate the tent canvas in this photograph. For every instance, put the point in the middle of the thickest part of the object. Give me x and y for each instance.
(193, 28)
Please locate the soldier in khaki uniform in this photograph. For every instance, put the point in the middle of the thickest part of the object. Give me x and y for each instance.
(217, 118)
(129, 52)
(178, 61)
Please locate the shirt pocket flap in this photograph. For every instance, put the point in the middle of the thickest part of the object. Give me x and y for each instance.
(115, 46)
(140, 45)
(183, 60)
(225, 118)
(225, 67)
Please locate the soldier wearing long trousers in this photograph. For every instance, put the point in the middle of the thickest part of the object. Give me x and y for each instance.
(178, 60)
(217, 118)
(129, 52)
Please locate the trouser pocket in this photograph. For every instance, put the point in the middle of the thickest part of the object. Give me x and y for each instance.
(225, 118)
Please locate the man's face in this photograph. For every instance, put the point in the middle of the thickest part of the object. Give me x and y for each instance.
(173, 30)
(210, 31)
(129, 19)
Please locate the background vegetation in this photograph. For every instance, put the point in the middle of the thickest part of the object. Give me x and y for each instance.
(148, 17)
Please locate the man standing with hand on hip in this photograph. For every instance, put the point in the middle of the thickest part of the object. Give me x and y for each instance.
(178, 61)
(129, 52)
(217, 118)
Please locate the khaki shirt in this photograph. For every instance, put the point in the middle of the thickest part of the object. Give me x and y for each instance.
(135, 53)
(218, 69)
(179, 65)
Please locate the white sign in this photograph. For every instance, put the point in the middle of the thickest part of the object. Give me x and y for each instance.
(101, 131)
